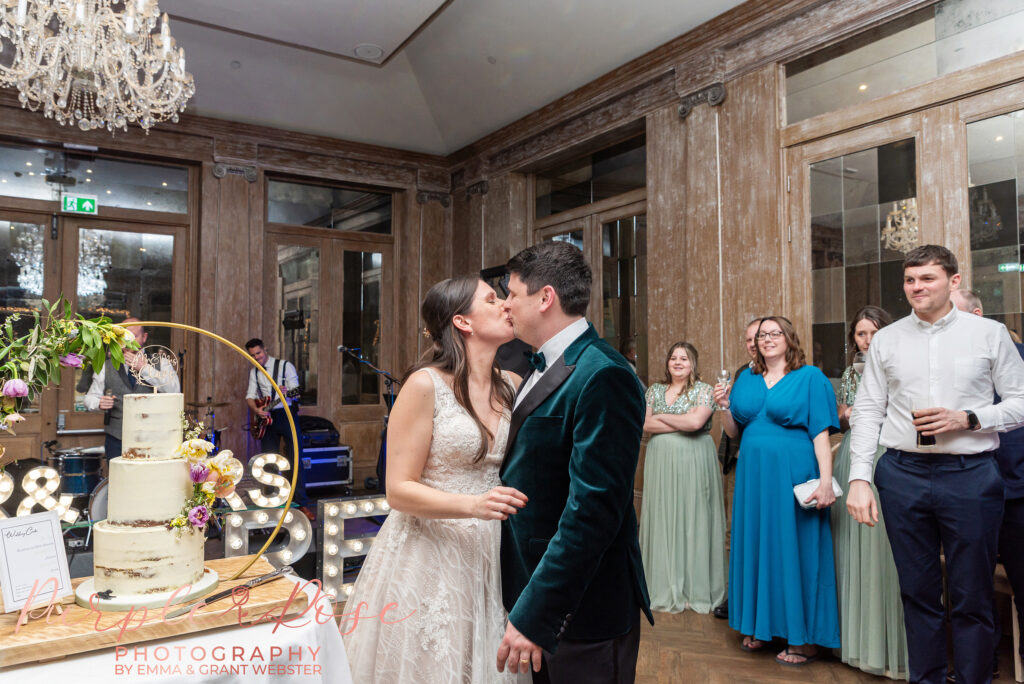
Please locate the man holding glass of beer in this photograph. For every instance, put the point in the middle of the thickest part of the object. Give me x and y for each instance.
(926, 395)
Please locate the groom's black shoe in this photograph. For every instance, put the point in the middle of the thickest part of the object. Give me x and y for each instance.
(722, 611)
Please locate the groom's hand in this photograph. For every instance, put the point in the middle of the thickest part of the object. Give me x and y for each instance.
(518, 652)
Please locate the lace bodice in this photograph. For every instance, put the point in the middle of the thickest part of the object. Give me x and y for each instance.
(451, 464)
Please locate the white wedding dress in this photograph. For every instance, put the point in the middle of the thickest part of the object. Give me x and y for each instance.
(443, 573)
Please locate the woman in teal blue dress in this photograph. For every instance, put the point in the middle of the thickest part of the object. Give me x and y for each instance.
(781, 569)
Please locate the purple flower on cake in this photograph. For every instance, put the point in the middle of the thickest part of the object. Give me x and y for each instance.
(198, 472)
(198, 516)
(72, 360)
(15, 388)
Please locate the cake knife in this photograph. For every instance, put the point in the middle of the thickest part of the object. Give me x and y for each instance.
(207, 600)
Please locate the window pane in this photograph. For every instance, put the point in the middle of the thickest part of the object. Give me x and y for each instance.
(869, 214)
(624, 288)
(361, 326)
(995, 161)
(574, 238)
(298, 329)
(39, 173)
(122, 274)
(935, 41)
(21, 277)
(607, 173)
(325, 207)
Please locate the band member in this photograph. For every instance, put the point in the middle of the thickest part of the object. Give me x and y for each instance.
(109, 385)
(267, 410)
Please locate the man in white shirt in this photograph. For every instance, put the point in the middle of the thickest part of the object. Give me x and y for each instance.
(110, 385)
(934, 373)
(263, 402)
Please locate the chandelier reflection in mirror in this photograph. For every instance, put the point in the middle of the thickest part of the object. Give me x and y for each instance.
(93, 63)
(900, 231)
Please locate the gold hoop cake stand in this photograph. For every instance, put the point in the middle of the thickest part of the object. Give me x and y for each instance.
(210, 580)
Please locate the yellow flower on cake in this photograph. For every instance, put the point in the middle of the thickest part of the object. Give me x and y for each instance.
(225, 472)
(194, 449)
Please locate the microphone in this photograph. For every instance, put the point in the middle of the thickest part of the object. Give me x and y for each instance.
(343, 349)
(354, 351)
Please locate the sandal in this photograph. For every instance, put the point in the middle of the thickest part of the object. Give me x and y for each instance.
(749, 646)
(800, 663)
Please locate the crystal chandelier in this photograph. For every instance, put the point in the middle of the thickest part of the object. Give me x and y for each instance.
(84, 63)
(900, 232)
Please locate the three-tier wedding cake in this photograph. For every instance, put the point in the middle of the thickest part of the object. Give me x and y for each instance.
(140, 559)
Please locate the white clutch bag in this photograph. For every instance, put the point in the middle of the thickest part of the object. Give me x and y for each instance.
(805, 489)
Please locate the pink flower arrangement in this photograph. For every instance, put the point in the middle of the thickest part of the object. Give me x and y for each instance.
(15, 388)
(198, 516)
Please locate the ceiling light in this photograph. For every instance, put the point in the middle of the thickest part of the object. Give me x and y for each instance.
(369, 51)
(88, 170)
(88, 180)
(999, 138)
(74, 80)
(142, 249)
(28, 163)
(31, 173)
(3, 180)
(164, 184)
(862, 87)
(108, 192)
(149, 204)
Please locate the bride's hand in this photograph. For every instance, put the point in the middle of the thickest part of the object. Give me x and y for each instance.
(722, 395)
(497, 504)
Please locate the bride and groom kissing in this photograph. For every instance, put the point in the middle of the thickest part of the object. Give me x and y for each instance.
(512, 539)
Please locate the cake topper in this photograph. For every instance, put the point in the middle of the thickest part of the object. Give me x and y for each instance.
(154, 365)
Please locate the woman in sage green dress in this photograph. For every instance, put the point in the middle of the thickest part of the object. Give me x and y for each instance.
(682, 523)
(871, 629)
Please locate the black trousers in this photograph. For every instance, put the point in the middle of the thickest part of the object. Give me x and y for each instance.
(277, 430)
(953, 503)
(1011, 553)
(596, 662)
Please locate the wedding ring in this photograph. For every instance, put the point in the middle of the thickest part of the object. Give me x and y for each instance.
(525, 660)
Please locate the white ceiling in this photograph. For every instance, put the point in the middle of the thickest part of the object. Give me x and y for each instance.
(477, 66)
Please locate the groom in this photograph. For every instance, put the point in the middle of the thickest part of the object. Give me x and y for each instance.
(572, 578)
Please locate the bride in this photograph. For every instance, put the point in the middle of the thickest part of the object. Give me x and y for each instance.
(437, 555)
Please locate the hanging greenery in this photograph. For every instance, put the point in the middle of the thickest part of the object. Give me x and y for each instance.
(58, 339)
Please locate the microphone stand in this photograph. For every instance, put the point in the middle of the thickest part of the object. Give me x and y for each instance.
(389, 401)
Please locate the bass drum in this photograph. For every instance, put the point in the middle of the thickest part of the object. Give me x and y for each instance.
(17, 470)
(98, 501)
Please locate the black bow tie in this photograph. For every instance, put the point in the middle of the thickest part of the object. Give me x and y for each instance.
(537, 361)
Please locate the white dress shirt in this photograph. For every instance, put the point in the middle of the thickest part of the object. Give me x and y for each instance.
(956, 363)
(552, 350)
(259, 386)
(99, 384)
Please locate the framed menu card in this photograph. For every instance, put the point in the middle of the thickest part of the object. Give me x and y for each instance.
(32, 557)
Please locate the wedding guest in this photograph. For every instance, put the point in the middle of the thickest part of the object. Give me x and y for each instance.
(934, 372)
(729, 449)
(781, 571)
(870, 612)
(1010, 457)
(682, 524)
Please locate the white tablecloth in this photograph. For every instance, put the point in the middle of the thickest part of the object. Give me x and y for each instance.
(256, 653)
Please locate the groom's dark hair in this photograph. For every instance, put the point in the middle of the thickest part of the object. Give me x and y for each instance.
(560, 265)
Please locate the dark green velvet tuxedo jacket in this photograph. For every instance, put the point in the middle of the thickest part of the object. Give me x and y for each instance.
(570, 560)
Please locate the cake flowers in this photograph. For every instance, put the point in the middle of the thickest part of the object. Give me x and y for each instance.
(211, 477)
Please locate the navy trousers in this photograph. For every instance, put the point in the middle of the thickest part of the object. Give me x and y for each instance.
(1011, 553)
(951, 503)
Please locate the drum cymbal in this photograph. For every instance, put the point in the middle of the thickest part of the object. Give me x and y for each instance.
(208, 404)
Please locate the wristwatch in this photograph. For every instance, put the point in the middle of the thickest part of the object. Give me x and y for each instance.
(972, 420)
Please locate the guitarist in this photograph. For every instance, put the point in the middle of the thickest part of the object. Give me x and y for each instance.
(263, 402)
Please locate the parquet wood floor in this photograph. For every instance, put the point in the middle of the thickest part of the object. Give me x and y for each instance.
(688, 648)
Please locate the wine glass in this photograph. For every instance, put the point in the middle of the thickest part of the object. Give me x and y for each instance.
(723, 377)
(859, 359)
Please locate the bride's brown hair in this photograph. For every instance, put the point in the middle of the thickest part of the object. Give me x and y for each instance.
(445, 300)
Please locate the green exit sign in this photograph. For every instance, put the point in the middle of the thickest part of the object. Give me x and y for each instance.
(80, 204)
(1010, 267)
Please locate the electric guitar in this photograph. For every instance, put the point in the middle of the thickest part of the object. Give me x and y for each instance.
(258, 424)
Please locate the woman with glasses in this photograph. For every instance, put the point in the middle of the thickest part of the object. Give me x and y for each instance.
(871, 628)
(682, 524)
(781, 570)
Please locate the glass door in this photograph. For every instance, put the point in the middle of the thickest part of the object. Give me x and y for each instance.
(119, 270)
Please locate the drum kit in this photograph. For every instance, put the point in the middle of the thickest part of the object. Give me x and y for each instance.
(80, 468)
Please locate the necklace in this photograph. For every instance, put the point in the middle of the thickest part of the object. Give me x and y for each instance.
(771, 383)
